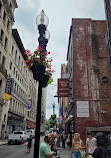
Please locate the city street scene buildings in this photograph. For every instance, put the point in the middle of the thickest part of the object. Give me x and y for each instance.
(19, 112)
(89, 79)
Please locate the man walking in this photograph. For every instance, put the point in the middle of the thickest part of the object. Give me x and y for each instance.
(45, 151)
(90, 144)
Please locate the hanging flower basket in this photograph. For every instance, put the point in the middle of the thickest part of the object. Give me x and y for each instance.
(38, 71)
(39, 64)
(45, 80)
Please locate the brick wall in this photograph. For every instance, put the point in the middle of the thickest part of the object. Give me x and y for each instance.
(90, 69)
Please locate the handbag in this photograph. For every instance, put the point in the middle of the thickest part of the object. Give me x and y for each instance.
(83, 153)
(26, 143)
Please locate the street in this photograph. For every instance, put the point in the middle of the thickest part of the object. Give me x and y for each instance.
(19, 151)
(16, 151)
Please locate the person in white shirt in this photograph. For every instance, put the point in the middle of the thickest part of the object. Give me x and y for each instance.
(90, 144)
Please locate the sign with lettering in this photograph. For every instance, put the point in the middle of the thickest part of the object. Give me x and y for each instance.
(82, 109)
(8, 89)
(63, 87)
(29, 103)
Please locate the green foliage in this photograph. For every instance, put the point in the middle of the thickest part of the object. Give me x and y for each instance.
(53, 117)
(47, 124)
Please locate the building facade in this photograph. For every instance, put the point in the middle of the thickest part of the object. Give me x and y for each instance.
(89, 75)
(20, 116)
(108, 33)
(6, 21)
(63, 101)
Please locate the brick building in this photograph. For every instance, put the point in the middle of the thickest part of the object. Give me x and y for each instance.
(108, 22)
(89, 75)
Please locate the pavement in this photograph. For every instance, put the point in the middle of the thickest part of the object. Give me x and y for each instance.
(65, 153)
(3, 142)
(8, 151)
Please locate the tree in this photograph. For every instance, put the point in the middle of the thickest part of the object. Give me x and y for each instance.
(47, 124)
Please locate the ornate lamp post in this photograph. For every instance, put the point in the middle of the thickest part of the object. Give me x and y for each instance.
(42, 22)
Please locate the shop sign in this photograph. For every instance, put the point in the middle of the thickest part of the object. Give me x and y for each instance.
(63, 87)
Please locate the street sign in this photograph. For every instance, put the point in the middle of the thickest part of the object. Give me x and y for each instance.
(63, 87)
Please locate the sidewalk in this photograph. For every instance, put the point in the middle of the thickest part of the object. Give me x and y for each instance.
(3, 141)
(65, 153)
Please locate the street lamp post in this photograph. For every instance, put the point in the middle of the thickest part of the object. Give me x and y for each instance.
(42, 23)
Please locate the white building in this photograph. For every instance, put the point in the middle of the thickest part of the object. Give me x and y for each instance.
(24, 87)
(6, 21)
(14, 114)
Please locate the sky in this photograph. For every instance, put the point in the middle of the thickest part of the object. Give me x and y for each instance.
(60, 14)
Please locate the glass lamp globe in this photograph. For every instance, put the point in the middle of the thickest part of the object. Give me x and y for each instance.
(42, 18)
(47, 35)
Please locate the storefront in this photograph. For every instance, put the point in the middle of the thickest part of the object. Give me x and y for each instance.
(30, 124)
(14, 123)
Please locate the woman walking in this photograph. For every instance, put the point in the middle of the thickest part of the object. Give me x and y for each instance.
(77, 145)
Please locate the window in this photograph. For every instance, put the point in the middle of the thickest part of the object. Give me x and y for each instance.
(12, 49)
(6, 42)
(4, 15)
(0, 56)
(21, 66)
(19, 61)
(8, 24)
(16, 55)
(3, 62)
(2, 34)
(10, 5)
(16, 73)
(14, 70)
(10, 65)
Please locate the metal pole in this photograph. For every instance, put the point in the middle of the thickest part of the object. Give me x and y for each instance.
(38, 120)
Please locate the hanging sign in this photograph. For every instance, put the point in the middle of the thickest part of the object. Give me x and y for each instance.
(63, 87)
(8, 89)
(29, 103)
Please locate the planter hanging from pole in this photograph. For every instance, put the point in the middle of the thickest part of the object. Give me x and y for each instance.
(38, 71)
(45, 80)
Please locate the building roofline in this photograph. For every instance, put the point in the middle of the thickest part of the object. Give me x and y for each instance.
(69, 41)
(19, 42)
(15, 3)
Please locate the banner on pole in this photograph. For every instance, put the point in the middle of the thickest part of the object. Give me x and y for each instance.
(8, 89)
(29, 103)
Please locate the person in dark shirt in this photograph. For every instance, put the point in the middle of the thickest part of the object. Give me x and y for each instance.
(103, 149)
(54, 148)
(29, 140)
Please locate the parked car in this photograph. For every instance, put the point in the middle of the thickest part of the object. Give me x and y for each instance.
(17, 137)
(31, 132)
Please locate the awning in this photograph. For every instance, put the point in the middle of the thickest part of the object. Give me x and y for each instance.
(69, 119)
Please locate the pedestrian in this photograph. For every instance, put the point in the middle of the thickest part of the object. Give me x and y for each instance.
(54, 148)
(58, 139)
(45, 151)
(77, 145)
(103, 149)
(90, 143)
(51, 136)
(29, 140)
(63, 139)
